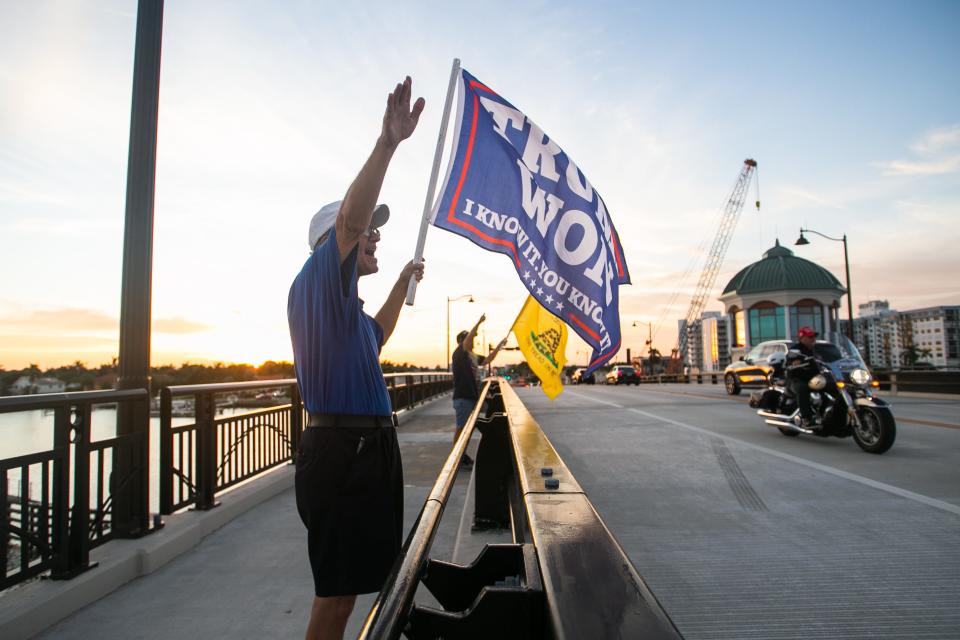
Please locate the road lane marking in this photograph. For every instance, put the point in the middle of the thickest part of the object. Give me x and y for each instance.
(928, 423)
(742, 400)
(882, 486)
(580, 395)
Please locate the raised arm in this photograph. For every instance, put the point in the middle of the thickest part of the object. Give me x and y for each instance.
(493, 354)
(399, 122)
(387, 316)
(467, 341)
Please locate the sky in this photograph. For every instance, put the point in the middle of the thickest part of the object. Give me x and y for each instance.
(269, 108)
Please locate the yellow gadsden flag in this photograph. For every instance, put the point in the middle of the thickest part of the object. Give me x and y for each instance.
(543, 340)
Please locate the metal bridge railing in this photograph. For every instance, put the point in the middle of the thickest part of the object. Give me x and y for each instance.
(564, 575)
(204, 458)
(57, 505)
(919, 381)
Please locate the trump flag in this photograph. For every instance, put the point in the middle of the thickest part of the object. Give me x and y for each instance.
(510, 188)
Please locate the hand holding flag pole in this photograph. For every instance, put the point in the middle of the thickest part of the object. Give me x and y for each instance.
(432, 185)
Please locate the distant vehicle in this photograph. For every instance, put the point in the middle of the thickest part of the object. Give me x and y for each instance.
(623, 374)
(752, 370)
(578, 377)
(519, 381)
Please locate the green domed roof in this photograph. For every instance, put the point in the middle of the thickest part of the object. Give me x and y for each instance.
(780, 270)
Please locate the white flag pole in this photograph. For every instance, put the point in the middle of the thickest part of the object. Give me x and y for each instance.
(431, 187)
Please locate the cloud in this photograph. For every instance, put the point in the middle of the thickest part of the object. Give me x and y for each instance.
(72, 321)
(57, 319)
(179, 326)
(53, 343)
(938, 140)
(934, 168)
(937, 152)
(793, 197)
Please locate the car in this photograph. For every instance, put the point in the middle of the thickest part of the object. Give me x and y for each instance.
(752, 369)
(578, 377)
(623, 374)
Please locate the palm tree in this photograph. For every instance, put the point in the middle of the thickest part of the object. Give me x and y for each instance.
(912, 354)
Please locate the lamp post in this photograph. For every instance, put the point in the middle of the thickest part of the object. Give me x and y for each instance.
(649, 337)
(449, 300)
(649, 332)
(846, 264)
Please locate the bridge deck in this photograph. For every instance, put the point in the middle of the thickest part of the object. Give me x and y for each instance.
(744, 533)
(739, 531)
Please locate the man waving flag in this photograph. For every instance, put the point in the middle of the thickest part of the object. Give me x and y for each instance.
(511, 189)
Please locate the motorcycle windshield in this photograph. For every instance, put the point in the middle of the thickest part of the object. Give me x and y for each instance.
(834, 347)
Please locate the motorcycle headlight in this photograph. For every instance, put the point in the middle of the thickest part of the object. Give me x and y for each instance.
(860, 377)
(817, 383)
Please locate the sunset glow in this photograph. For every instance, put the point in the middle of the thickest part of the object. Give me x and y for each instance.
(268, 110)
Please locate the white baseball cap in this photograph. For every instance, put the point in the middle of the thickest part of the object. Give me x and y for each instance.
(323, 220)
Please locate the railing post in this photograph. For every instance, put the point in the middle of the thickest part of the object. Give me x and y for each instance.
(6, 513)
(296, 421)
(392, 392)
(893, 383)
(206, 452)
(166, 452)
(60, 564)
(77, 546)
(141, 488)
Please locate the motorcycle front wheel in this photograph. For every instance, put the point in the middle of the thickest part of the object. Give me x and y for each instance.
(875, 430)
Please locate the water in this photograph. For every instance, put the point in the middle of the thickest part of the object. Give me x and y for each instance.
(27, 432)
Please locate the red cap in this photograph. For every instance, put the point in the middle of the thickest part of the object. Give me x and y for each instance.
(806, 332)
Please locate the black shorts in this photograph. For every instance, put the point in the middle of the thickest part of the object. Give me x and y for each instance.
(350, 497)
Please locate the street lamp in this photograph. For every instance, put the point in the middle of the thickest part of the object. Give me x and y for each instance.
(649, 332)
(846, 264)
(649, 338)
(449, 300)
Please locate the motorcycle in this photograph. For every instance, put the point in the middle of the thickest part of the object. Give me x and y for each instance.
(841, 396)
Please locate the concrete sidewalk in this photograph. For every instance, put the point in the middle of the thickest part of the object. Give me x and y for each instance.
(251, 578)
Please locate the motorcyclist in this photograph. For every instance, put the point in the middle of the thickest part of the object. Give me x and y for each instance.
(800, 369)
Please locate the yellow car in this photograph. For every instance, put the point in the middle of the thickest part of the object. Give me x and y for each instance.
(752, 369)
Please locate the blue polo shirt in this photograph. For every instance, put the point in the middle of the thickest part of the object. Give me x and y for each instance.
(336, 346)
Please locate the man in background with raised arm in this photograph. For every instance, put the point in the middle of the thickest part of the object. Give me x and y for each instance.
(466, 389)
(349, 480)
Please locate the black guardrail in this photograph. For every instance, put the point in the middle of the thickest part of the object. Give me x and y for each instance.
(919, 381)
(56, 505)
(564, 576)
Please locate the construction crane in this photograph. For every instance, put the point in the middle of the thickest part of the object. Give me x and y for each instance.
(728, 222)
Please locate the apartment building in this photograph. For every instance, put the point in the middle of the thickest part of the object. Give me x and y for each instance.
(892, 339)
